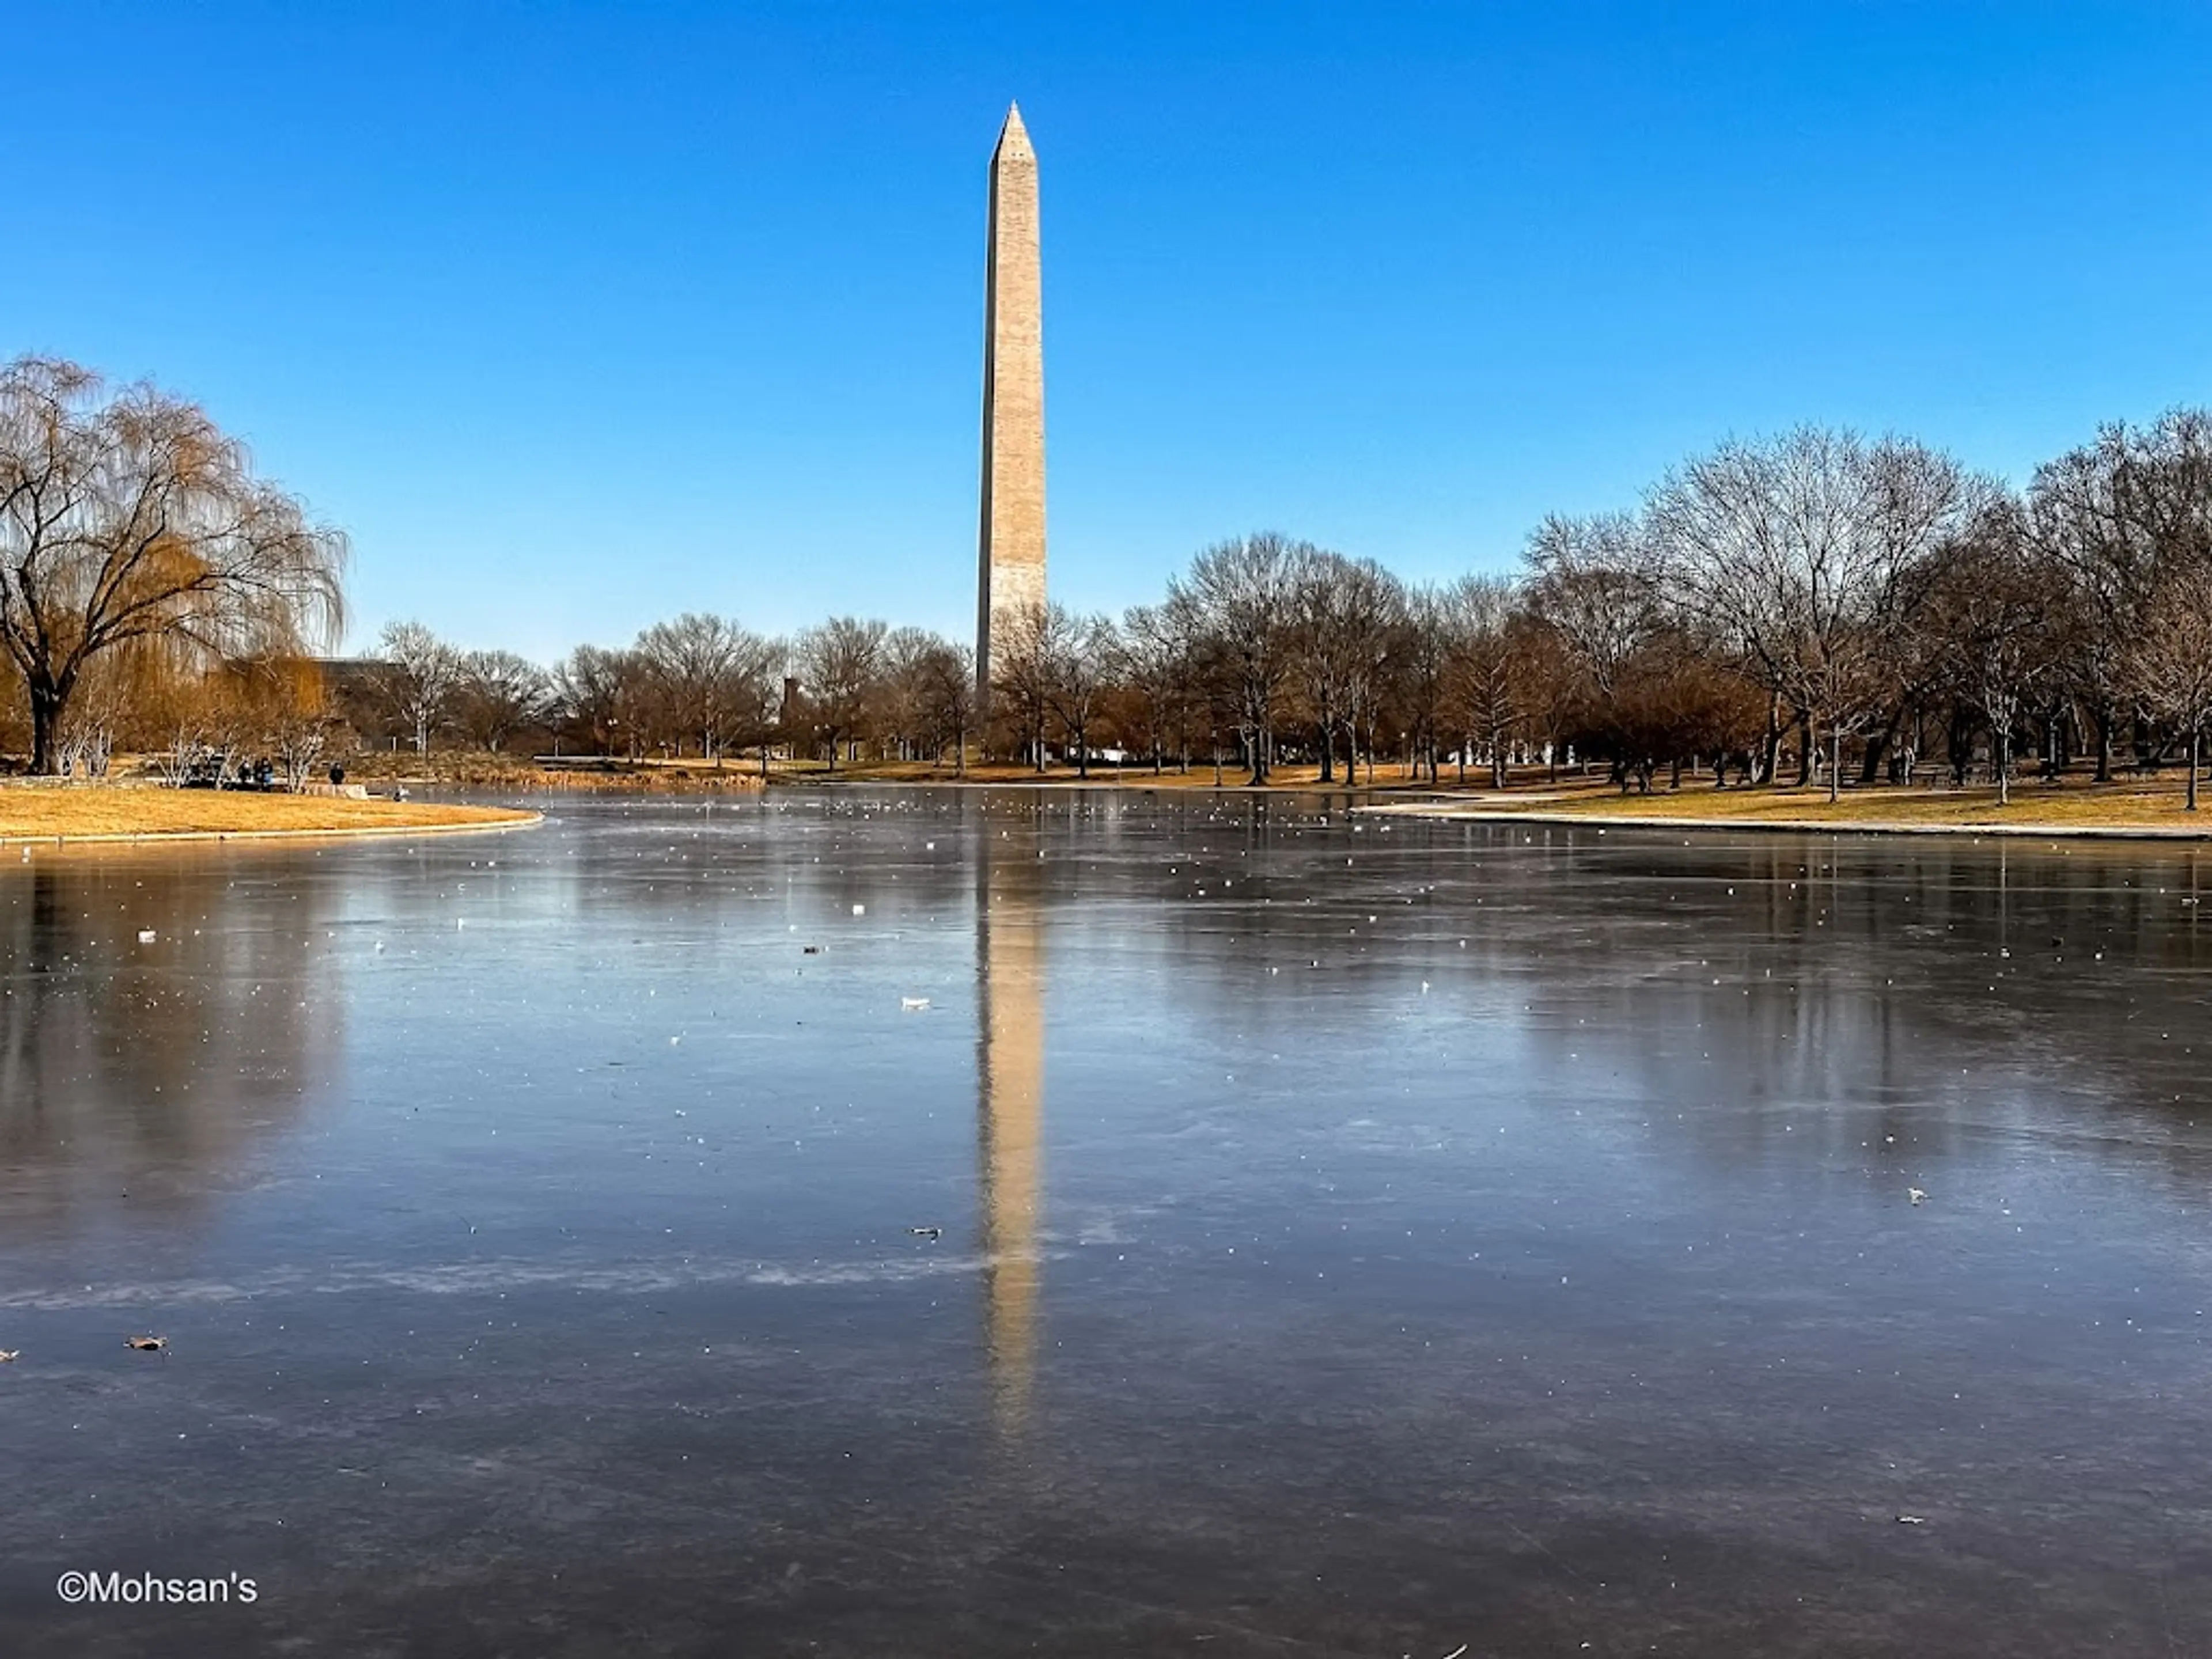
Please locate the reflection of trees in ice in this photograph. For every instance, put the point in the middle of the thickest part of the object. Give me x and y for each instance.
(817, 852)
(1738, 980)
(1944, 993)
(148, 1067)
(1943, 989)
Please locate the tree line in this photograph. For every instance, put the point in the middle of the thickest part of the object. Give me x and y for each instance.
(1811, 606)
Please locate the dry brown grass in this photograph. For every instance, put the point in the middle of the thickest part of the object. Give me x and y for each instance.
(1387, 778)
(73, 811)
(2077, 805)
(458, 768)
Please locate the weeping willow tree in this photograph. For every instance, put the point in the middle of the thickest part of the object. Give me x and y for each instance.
(130, 520)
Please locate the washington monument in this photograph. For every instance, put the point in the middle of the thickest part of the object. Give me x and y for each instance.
(1010, 577)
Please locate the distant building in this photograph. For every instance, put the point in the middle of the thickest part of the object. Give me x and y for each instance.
(355, 686)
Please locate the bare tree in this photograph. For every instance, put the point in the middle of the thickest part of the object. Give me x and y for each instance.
(421, 676)
(1594, 590)
(839, 665)
(591, 687)
(2082, 511)
(2170, 662)
(757, 682)
(1022, 664)
(1335, 613)
(1159, 679)
(1595, 582)
(1080, 654)
(1672, 701)
(904, 704)
(1483, 679)
(2128, 516)
(134, 517)
(1993, 611)
(1798, 550)
(1915, 501)
(705, 672)
(499, 694)
(1371, 627)
(946, 684)
(1238, 601)
(1430, 638)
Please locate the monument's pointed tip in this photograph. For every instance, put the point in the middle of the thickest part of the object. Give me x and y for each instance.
(1014, 130)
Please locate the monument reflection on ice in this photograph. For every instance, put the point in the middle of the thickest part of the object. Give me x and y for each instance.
(1009, 1109)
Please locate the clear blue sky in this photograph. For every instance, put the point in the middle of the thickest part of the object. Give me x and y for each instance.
(579, 316)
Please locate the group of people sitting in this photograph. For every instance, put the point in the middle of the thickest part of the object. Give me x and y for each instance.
(250, 775)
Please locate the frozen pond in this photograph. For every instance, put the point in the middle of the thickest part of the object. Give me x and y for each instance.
(1359, 1236)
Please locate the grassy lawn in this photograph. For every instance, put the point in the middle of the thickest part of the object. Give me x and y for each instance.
(46, 811)
(2077, 803)
(1388, 777)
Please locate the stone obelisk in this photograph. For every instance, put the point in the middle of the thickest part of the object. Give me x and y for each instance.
(1010, 563)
